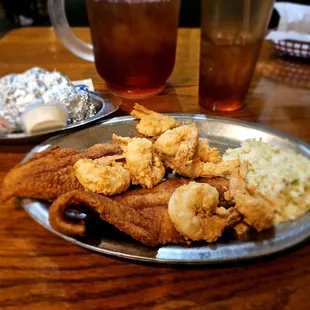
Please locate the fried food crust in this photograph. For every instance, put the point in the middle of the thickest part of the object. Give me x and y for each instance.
(49, 174)
(141, 213)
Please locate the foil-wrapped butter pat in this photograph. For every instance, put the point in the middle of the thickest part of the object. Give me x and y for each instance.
(18, 91)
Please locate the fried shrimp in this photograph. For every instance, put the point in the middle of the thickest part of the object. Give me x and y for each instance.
(180, 143)
(103, 176)
(145, 167)
(181, 150)
(197, 168)
(194, 211)
(152, 123)
(206, 153)
(257, 211)
(210, 170)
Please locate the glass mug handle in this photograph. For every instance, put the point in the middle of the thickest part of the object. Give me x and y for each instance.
(56, 10)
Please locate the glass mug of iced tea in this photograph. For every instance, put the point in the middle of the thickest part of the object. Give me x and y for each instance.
(134, 42)
(232, 32)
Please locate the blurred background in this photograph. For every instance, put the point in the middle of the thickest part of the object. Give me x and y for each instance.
(25, 13)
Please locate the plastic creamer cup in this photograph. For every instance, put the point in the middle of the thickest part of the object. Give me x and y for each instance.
(44, 117)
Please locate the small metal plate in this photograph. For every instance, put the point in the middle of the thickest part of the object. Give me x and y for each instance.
(105, 105)
(222, 133)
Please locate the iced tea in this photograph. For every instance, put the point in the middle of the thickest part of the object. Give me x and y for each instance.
(232, 32)
(134, 44)
(226, 71)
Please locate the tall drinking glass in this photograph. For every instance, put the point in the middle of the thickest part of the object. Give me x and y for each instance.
(134, 42)
(232, 32)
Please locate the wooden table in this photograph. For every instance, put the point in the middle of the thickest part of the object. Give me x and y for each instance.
(40, 271)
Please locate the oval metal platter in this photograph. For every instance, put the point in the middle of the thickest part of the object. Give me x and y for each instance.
(222, 133)
(105, 105)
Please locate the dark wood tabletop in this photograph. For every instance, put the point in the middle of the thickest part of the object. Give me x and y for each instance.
(38, 270)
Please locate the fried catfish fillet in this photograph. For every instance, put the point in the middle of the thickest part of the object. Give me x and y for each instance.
(49, 174)
(140, 213)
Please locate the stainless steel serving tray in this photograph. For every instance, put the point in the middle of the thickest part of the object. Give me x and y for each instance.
(105, 105)
(222, 133)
